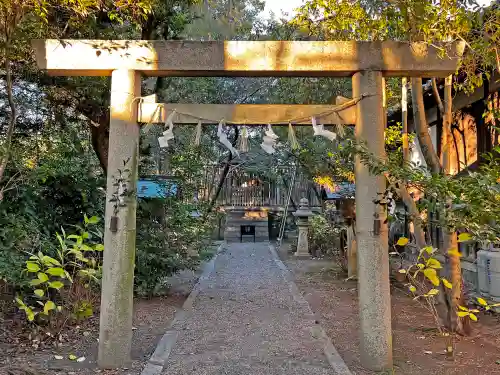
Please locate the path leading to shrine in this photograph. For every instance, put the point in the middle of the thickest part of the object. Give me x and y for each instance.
(247, 318)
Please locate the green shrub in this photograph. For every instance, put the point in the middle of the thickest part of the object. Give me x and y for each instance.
(169, 239)
(56, 280)
(323, 235)
(55, 181)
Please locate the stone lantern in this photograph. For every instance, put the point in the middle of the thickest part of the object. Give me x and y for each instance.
(302, 215)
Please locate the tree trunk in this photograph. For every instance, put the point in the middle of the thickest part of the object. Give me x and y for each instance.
(99, 133)
(461, 326)
(411, 206)
(12, 121)
(224, 174)
(439, 102)
(220, 185)
(421, 126)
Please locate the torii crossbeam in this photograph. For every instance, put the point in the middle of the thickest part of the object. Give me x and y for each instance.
(127, 60)
(247, 114)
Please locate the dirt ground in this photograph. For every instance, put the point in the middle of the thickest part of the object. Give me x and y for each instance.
(151, 320)
(418, 350)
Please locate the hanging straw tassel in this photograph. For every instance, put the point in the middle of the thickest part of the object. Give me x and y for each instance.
(197, 137)
(243, 146)
(340, 130)
(294, 144)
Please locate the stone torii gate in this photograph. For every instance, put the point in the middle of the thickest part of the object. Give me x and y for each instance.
(126, 61)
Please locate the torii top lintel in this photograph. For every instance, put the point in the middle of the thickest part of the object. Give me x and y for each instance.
(246, 58)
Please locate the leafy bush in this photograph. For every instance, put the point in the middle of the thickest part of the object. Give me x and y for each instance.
(171, 233)
(169, 239)
(53, 182)
(426, 284)
(55, 279)
(323, 236)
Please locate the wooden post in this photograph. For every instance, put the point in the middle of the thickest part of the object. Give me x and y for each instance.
(115, 336)
(352, 257)
(404, 114)
(384, 101)
(371, 232)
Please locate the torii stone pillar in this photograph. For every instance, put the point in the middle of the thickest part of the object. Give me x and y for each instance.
(115, 334)
(372, 251)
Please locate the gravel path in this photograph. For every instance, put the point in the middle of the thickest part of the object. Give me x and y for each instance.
(245, 321)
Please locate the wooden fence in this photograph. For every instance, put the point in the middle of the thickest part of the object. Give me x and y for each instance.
(249, 189)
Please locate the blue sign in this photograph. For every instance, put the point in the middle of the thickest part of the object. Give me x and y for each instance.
(156, 189)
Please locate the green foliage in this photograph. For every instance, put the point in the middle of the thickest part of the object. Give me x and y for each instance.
(322, 235)
(325, 237)
(223, 20)
(77, 261)
(169, 239)
(54, 183)
(170, 233)
(422, 20)
(426, 287)
(394, 139)
(470, 201)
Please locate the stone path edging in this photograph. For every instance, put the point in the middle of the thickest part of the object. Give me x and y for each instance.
(159, 358)
(334, 358)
